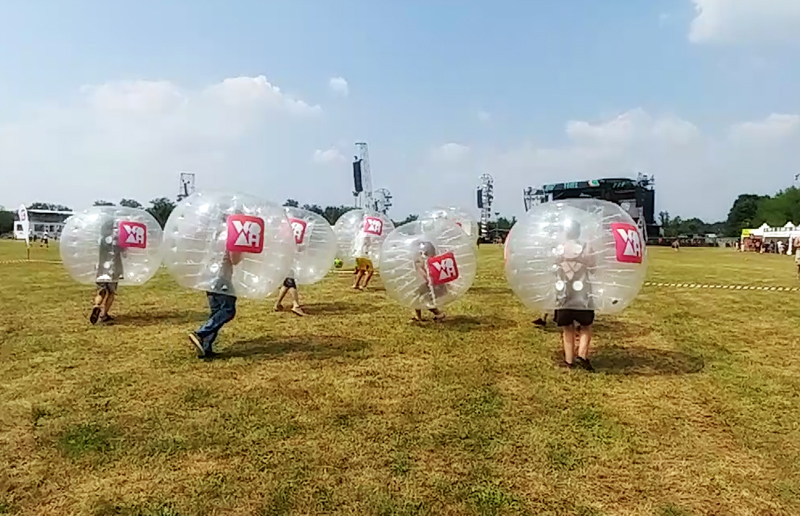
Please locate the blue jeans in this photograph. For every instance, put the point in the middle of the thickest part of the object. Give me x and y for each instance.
(223, 309)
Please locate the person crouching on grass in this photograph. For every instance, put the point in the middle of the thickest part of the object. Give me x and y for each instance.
(109, 272)
(364, 270)
(574, 294)
(289, 287)
(221, 301)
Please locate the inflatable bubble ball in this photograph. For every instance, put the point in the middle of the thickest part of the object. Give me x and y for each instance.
(111, 244)
(463, 219)
(578, 254)
(229, 243)
(359, 234)
(316, 245)
(428, 263)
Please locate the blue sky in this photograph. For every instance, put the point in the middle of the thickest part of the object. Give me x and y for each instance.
(418, 73)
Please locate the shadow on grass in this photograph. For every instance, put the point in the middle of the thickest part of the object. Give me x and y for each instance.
(156, 317)
(472, 323)
(640, 361)
(311, 348)
(610, 329)
(337, 308)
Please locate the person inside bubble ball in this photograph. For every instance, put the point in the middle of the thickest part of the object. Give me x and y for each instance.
(221, 295)
(289, 287)
(428, 292)
(364, 268)
(109, 272)
(574, 295)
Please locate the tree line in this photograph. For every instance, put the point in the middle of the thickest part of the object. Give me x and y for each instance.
(748, 211)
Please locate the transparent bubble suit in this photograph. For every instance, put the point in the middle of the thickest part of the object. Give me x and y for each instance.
(428, 263)
(316, 245)
(580, 254)
(207, 231)
(359, 234)
(111, 244)
(457, 215)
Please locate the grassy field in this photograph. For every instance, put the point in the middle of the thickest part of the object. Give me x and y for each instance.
(695, 409)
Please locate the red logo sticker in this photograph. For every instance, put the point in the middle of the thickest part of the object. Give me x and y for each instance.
(132, 235)
(245, 234)
(299, 228)
(443, 268)
(628, 243)
(373, 226)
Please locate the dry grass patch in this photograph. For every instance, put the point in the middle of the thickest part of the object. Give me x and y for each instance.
(695, 409)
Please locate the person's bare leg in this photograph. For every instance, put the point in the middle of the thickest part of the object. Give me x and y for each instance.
(359, 275)
(584, 341)
(417, 315)
(105, 308)
(366, 281)
(568, 336)
(281, 295)
(296, 302)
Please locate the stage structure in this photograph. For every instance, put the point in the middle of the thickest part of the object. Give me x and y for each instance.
(186, 187)
(383, 200)
(635, 196)
(485, 194)
(363, 195)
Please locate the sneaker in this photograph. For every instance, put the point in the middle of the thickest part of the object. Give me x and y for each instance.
(541, 323)
(107, 320)
(584, 364)
(566, 365)
(95, 315)
(197, 343)
(209, 355)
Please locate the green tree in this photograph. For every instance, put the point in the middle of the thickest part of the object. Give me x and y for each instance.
(6, 222)
(291, 203)
(130, 203)
(332, 213)
(103, 203)
(314, 208)
(161, 209)
(779, 209)
(744, 213)
(410, 218)
(48, 206)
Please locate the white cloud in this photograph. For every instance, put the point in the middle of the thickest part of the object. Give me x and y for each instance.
(130, 139)
(328, 156)
(484, 116)
(773, 129)
(449, 153)
(736, 21)
(339, 86)
(699, 172)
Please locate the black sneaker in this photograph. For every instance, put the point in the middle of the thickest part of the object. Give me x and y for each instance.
(541, 323)
(584, 363)
(567, 365)
(107, 320)
(209, 355)
(95, 315)
(197, 343)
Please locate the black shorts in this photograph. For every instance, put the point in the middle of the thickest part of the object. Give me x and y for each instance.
(107, 288)
(289, 283)
(568, 317)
